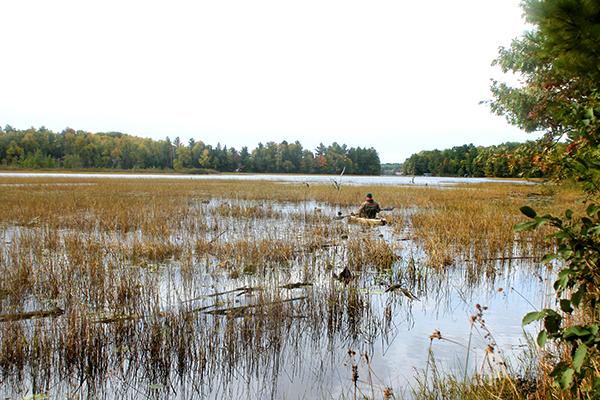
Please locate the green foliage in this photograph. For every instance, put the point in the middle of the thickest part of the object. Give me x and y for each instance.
(391, 168)
(559, 96)
(70, 149)
(468, 160)
(559, 90)
(458, 161)
(578, 288)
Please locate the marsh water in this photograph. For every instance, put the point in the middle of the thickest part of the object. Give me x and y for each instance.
(387, 180)
(256, 305)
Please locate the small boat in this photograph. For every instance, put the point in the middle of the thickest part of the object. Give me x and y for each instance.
(366, 221)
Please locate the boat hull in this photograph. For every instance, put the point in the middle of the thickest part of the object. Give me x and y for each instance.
(367, 221)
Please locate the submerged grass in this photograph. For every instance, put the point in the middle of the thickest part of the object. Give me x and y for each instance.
(176, 285)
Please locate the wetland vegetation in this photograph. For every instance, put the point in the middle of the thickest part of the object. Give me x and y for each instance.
(217, 288)
(171, 288)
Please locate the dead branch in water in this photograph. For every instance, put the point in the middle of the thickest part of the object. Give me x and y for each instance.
(241, 309)
(30, 315)
(296, 285)
(243, 290)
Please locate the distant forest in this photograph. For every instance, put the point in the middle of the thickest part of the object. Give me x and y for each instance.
(468, 160)
(70, 149)
(391, 169)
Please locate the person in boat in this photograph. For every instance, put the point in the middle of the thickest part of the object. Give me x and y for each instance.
(369, 208)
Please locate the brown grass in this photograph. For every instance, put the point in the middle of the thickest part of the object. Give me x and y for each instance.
(132, 262)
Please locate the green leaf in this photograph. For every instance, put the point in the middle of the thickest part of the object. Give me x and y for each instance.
(542, 338)
(528, 211)
(525, 226)
(549, 257)
(569, 214)
(558, 369)
(565, 305)
(578, 332)
(566, 253)
(596, 385)
(563, 375)
(533, 316)
(563, 278)
(552, 322)
(539, 221)
(591, 209)
(566, 378)
(579, 357)
(582, 162)
(578, 295)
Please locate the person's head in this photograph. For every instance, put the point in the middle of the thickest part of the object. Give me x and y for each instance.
(369, 196)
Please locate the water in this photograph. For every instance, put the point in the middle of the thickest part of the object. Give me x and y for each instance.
(308, 351)
(288, 178)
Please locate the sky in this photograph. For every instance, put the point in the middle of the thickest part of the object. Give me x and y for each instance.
(399, 76)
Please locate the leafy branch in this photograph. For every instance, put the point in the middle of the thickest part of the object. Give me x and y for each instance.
(577, 288)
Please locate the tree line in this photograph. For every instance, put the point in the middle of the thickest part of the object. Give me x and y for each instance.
(70, 149)
(502, 161)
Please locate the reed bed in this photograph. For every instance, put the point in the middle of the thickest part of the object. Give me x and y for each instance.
(167, 288)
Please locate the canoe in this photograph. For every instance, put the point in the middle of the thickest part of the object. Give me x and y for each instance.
(366, 221)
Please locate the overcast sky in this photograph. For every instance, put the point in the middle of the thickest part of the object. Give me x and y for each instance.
(400, 76)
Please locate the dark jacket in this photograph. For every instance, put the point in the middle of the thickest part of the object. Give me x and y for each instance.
(369, 209)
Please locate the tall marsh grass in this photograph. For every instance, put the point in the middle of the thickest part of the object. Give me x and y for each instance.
(166, 286)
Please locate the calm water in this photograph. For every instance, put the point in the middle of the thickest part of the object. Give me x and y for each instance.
(391, 344)
(300, 179)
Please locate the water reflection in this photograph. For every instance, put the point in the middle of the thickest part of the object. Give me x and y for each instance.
(212, 317)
